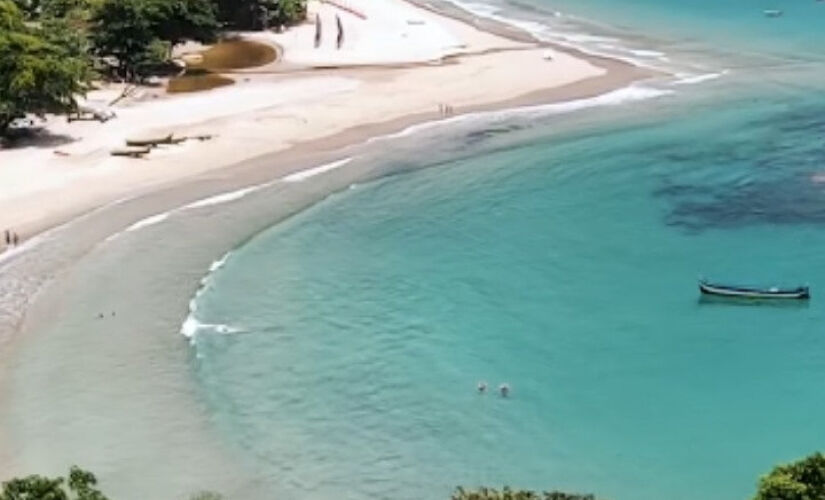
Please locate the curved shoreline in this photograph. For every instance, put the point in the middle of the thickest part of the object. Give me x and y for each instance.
(615, 74)
(50, 276)
(60, 271)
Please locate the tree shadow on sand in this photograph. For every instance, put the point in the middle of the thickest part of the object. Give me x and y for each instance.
(34, 137)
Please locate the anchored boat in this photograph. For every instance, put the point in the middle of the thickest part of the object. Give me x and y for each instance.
(800, 293)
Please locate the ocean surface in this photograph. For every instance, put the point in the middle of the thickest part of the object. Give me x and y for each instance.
(336, 354)
(341, 349)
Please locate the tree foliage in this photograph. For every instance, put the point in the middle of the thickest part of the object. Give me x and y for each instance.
(137, 35)
(509, 494)
(38, 72)
(122, 32)
(174, 21)
(261, 14)
(82, 485)
(800, 480)
(288, 12)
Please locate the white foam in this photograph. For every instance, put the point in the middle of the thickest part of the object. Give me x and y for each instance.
(219, 263)
(691, 79)
(631, 93)
(312, 172)
(23, 247)
(191, 325)
(223, 198)
(588, 43)
(149, 221)
(231, 196)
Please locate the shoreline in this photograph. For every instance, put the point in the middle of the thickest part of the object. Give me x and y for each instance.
(617, 74)
(86, 227)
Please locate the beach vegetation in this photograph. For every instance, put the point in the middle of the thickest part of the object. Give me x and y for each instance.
(77, 11)
(261, 14)
(78, 485)
(800, 480)
(42, 67)
(137, 36)
(288, 12)
(175, 21)
(510, 494)
(29, 8)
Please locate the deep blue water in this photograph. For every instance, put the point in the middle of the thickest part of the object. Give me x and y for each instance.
(565, 264)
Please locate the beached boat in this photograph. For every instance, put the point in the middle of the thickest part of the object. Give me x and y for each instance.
(801, 292)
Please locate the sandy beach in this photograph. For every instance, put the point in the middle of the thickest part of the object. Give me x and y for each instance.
(399, 66)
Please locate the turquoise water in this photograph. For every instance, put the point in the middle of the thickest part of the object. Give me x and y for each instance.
(564, 263)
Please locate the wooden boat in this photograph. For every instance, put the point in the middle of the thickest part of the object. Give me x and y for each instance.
(707, 288)
(149, 141)
(131, 151)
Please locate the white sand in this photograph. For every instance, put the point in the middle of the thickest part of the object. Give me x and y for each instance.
(266, 113)
(390, 32)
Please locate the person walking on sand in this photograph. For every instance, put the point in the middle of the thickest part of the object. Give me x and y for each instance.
(15, 239)
(8, 238)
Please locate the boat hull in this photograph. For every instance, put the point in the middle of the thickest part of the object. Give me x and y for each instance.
(801, 293)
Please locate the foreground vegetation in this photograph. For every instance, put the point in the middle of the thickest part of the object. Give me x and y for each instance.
(51, 50)
(800, 480)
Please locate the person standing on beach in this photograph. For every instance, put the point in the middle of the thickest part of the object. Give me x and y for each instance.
(15, 239)
(8, 238)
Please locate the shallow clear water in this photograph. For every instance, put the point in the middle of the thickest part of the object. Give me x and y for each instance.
(566, 267)
(352, 336)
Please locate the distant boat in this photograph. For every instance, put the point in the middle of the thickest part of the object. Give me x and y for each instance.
(772, 12)
(707, 288)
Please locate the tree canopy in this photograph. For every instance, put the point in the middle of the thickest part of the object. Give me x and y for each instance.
(140, 34)
(80, 485)
(48, 48)
(260, 14)
(39, 73)
(800, 480)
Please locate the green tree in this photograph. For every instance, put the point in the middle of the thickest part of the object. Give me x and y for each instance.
(30, 8)
(138, 35)
(175, 21)
(289, 12)
(81, 484)
(37, 74)
(122, 34)
(261, 14)
(800, 480)
(77, 11)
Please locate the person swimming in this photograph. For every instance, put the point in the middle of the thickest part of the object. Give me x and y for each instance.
(504, 390)
(482, 387)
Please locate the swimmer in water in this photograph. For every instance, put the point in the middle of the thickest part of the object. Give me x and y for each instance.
(504, 389)
(482, 387)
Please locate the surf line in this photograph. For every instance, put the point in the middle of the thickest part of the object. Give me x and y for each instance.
(230, 196)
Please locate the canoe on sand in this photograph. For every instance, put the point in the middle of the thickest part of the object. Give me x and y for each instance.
(131, 151)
